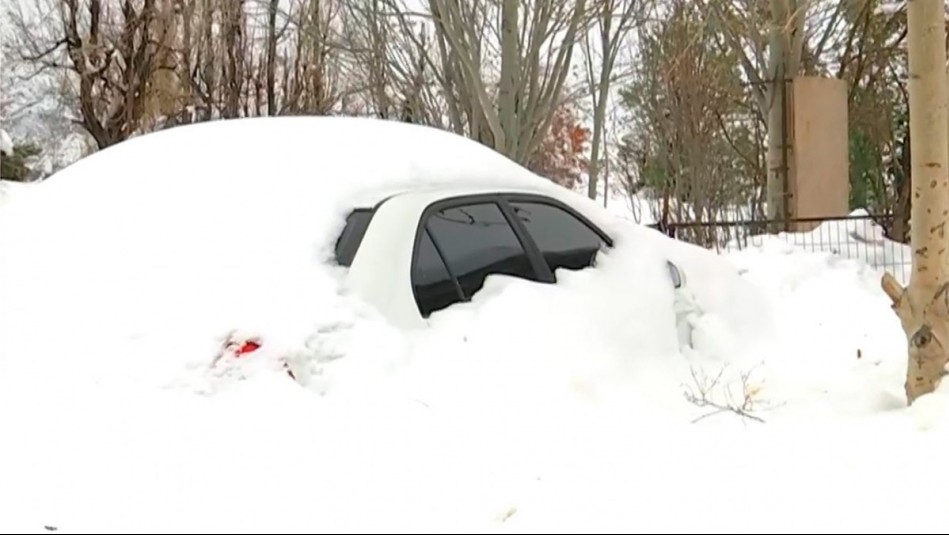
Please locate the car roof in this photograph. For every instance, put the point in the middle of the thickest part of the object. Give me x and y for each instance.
(374, 197)
(580, 203)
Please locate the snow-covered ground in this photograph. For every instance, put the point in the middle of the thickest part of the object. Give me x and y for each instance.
(535, 408)
(485, 434)
(857, 237)
(9, 188)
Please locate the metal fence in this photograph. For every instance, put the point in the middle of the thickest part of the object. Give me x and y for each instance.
(858, 237)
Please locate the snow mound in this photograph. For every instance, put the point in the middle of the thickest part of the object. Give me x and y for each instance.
(124, 275)
(155, 248)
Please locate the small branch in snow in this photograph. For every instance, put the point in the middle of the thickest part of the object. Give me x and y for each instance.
(702, 394)
(504, 516)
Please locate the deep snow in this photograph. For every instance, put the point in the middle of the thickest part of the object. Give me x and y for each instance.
(533, 408)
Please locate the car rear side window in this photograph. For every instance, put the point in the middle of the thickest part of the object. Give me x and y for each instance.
(348, 243)
(564, 240)
(433, 285)
(475, 241)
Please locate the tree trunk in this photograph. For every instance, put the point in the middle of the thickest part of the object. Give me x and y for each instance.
(272, 57)
(610, 42)
(510, 78)
(233, 50)
(777, 130)
(904, 181)
(923, 307)
(599, 117)
(208, 67)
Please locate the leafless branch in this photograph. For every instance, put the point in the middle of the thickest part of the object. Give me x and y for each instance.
(704, 390)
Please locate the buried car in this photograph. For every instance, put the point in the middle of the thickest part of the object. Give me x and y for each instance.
(440, 245)
(170, 240)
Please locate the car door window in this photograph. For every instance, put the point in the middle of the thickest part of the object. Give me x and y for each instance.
(434, 287)
(476, 240)
(564, 240)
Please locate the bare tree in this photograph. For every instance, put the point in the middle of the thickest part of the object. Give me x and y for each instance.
(272, 37)
(531, 80)
(693, 144)
(232, 13)
(494, 70)
(115, 53)
(311, 65)
(614, 20)
(870, 55)
(375, 48)
(923, 306)
(743, 22)
(502, 65)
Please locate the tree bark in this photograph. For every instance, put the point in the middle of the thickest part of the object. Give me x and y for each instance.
(923, 307)
(510, 77)
(599, 117)
(272, 57)
(233, 50)
(777, 128)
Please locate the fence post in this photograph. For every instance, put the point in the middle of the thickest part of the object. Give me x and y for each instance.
(785, 145)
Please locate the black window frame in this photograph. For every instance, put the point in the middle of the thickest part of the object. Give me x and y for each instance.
(502, 200)
(541, 199)
(345, 251)
(459, 291)
(357, 241)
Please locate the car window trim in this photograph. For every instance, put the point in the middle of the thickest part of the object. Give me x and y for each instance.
(441, 256)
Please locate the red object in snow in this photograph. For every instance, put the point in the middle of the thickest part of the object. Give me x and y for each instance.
(247, 347)
(238, 349)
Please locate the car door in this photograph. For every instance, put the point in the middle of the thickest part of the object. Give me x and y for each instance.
(461, 241)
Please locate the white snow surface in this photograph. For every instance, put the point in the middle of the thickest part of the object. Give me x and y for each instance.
(532, 408)
(856, 237)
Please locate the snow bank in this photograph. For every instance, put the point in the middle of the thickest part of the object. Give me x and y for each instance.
(840, 343)
(153, 251)
(246, 200)
(121, 275)
(532, 408)
(495, 419)
(857, 237)
(7, 188)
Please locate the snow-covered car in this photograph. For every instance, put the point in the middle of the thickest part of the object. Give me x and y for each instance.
(258, 226)
(437, 246)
